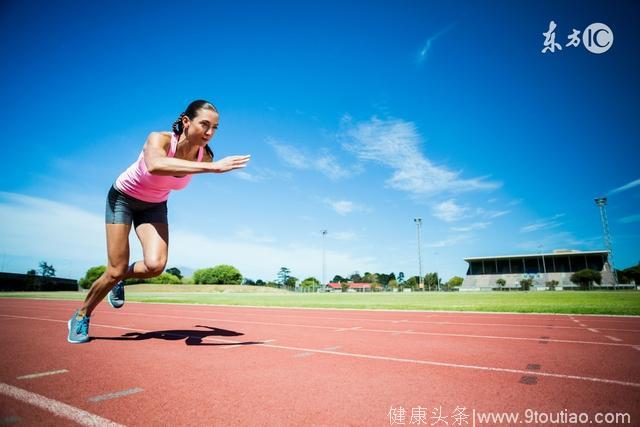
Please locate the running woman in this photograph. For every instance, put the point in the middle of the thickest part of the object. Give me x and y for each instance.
(139, 196)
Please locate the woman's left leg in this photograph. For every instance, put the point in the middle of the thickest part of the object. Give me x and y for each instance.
(154, 238)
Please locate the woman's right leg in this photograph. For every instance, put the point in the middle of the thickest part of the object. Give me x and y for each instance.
(117, 268)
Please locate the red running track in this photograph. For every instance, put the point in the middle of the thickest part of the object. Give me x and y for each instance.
(163, 364)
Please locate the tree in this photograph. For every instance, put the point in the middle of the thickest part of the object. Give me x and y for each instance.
(291, 282)
(454, 282)
(175, 271)
(393, 284)
(501, 282)
(283, 275)
(260, 282)
(164, 279)
(367, 278)
(585, 278)
(91, 276)
(412, 283)
(47, 270)
(248, 281)
(525, 283)
(32, 272)
(310, 282)
(356, 278)
(551, 284)
(401, 277)
(219, 275)
(344, 286)
(338, 279)
(431, 281)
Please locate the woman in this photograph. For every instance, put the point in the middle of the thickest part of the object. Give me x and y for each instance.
(139, 196)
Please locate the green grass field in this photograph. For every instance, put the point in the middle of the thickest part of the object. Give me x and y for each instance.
(574, 302)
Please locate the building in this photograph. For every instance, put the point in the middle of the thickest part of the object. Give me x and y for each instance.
(353, 287)
(558, 265)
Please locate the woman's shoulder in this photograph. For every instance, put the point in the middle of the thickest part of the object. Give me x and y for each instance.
(159, 138)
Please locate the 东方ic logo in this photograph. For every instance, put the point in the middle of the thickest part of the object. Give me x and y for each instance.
(597, 38)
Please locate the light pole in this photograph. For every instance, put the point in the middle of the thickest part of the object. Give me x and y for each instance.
(324, 261)
(601, 202)
(418, 222)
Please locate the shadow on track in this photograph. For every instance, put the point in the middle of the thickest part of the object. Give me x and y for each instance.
(193, 337)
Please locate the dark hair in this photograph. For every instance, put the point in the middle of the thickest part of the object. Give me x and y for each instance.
(191, 112)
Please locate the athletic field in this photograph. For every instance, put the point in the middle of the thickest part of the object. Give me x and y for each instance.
(569, 302)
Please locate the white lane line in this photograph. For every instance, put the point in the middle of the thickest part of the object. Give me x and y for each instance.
(386, 331)
(583, 325)
(58, 408)
(355, 328)
(242, 345)
(613, 338)
(115, 395)
(637, 347)
(335, 347)
(593, 330)
(42, 374)
(403, 332)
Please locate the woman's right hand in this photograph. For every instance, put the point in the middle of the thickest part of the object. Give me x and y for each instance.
(230, 163)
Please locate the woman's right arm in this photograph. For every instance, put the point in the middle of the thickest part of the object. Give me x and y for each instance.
(158, 163)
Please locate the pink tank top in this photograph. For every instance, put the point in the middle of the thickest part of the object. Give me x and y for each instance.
(138, 183)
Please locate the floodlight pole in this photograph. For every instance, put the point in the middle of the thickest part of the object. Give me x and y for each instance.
(324, 261)
(418, 222)
(601, 202)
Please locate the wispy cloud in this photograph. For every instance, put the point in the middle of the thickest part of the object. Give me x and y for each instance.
(248, 234)
(344, 236)
(474, 226)
(449, 241)
(449, 211)
(260, 175)
(543, 224)
(325, 163)
(344, 207)
(423, 54)
(396, 143)
(625, 187)
(629, 219)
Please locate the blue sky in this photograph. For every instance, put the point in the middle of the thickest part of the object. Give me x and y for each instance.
(359, 117)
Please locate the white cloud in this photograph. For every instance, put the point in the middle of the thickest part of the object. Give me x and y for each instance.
(342, 235)
(449, 241)
(474, 226)
(249, 234)
(629, 219)
(449, 211)
(344, 207)
(326, 163)
(625, 187)
(290, 155)
(423, 54)
(396, 143)
(543, 224)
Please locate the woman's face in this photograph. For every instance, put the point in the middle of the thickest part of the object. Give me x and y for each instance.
(201, 129)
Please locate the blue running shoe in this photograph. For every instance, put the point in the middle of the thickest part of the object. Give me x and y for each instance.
(78, 329)
(116, 295)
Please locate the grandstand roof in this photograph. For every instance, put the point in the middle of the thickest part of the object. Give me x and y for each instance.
(547, 254)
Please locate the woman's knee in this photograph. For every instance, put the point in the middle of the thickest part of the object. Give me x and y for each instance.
(155, 266)
(116, 272)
